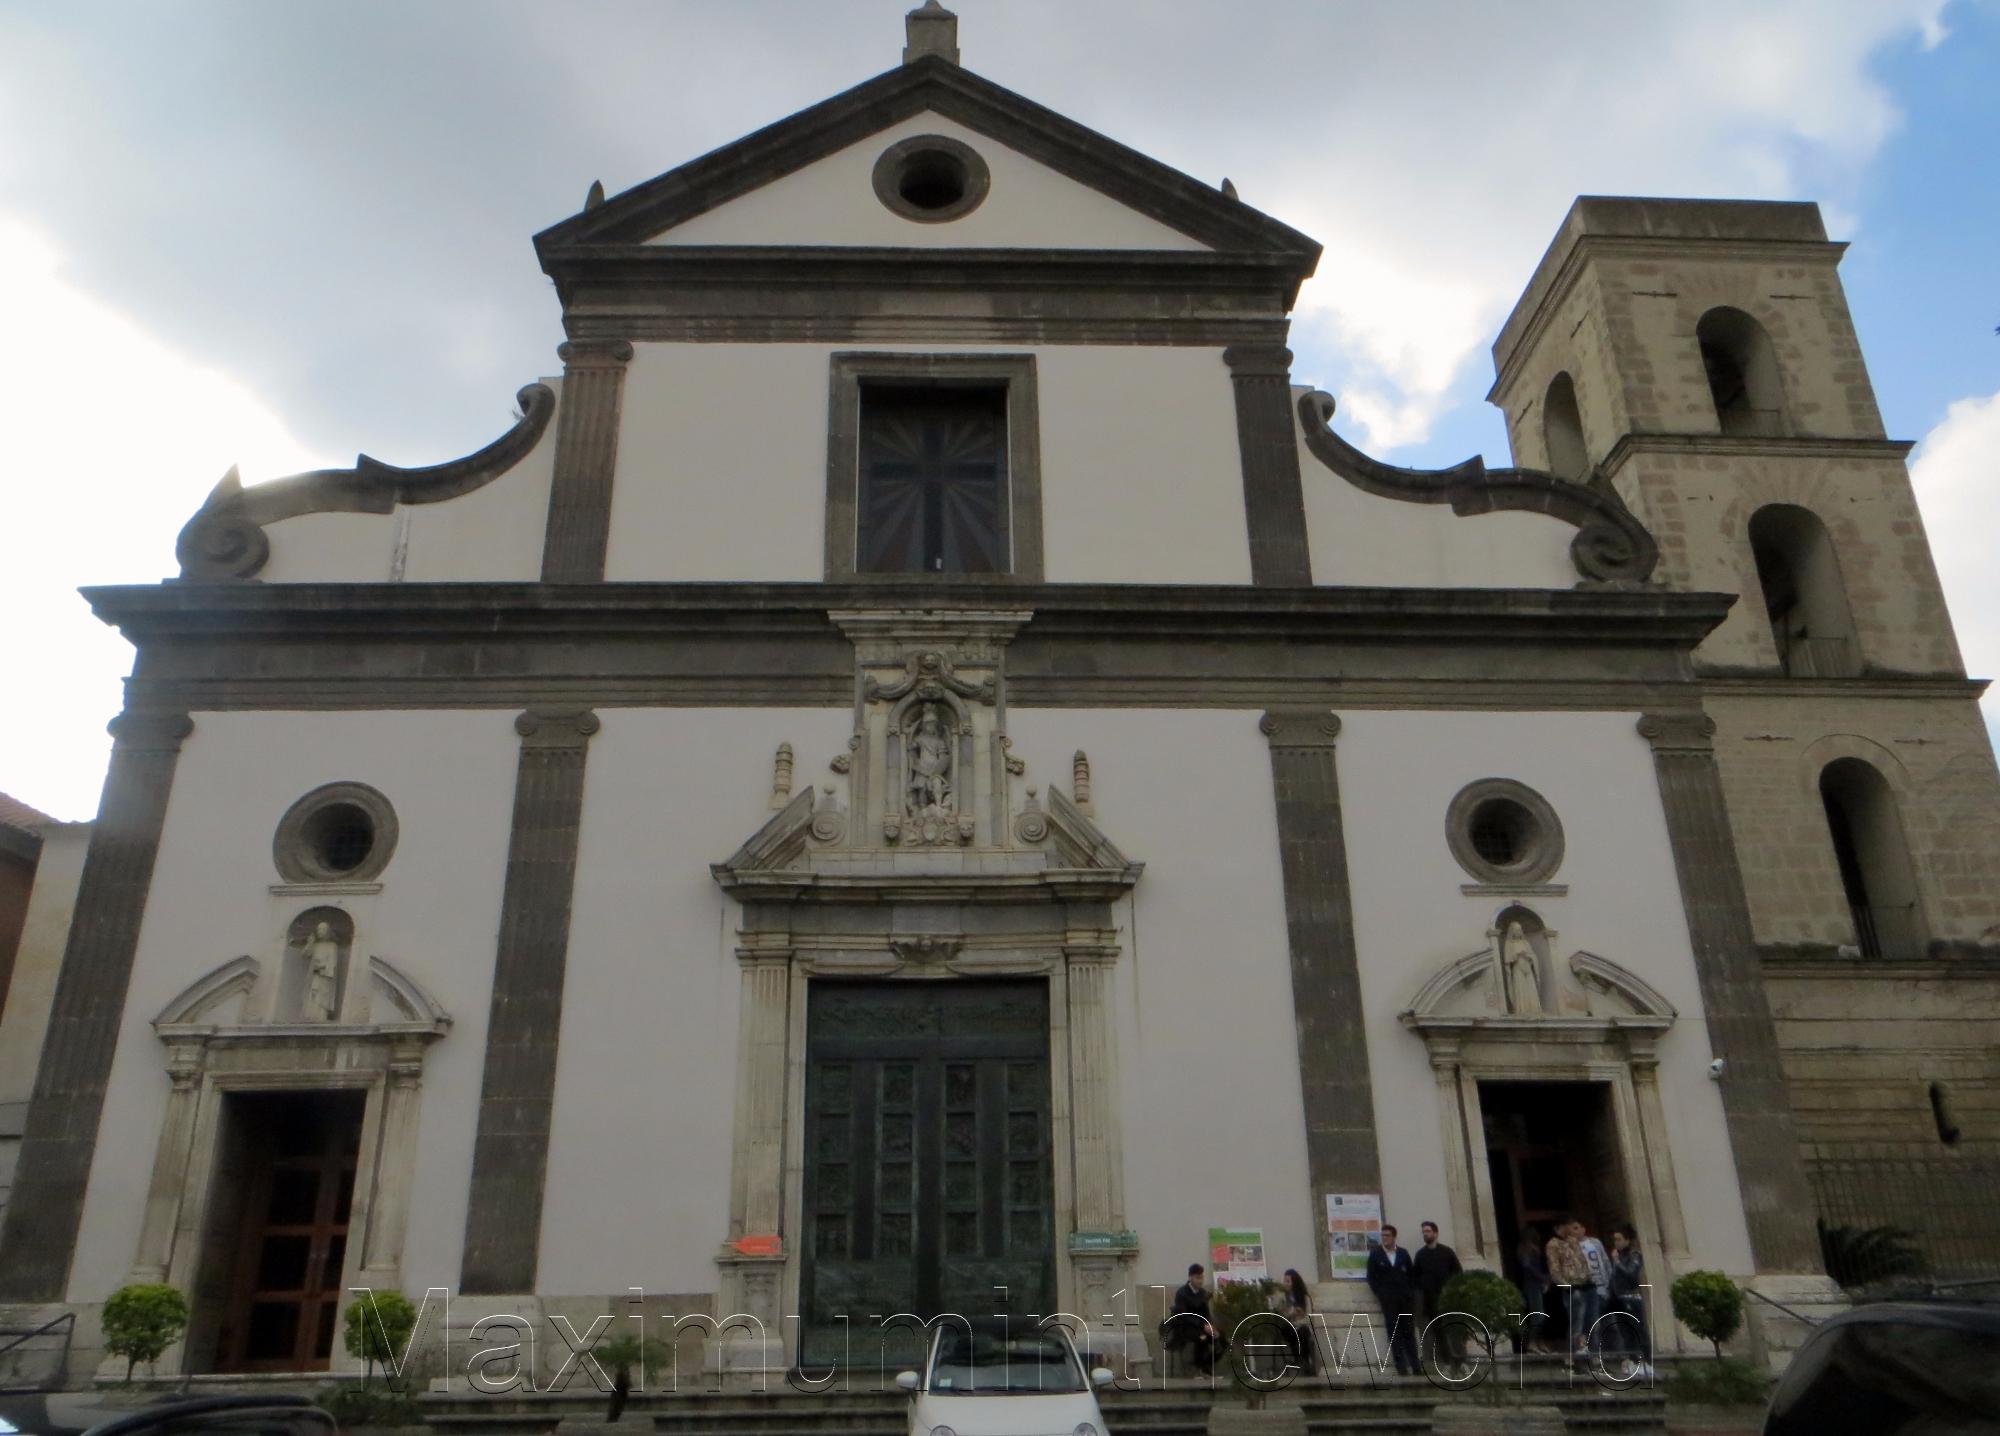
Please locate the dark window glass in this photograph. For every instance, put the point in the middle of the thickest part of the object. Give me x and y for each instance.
(933, 481)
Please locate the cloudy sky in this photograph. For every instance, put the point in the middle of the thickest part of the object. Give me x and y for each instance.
(274, 235)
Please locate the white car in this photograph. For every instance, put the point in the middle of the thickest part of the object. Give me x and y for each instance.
(1002, 1380)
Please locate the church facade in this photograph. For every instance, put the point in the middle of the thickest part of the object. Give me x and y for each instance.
(924, 766)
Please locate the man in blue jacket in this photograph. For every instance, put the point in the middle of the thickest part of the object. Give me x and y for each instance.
(1394, 1281)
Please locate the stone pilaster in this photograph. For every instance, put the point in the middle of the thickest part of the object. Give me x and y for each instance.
(170, 1167)
(510, 1152)
(46, 1205)
(1777, 1200)
(1093, 1068)
(395, 1163)
(1273, 494)
(1452, 1117)
(579, 526)
(1339, 1096)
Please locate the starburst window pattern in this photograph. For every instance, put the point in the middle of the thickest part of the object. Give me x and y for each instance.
(933, 480)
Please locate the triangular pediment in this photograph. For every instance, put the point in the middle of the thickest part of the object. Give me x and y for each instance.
(1099, 193)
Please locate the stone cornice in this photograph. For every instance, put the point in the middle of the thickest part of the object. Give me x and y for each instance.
(1648, 617)
(1924, 687)
(1745, 446)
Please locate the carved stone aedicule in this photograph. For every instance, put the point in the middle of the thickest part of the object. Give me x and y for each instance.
(1515, 988)
(316, 987)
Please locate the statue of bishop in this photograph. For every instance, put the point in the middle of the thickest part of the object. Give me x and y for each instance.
(322, 1001)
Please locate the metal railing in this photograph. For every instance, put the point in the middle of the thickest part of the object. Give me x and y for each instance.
(1818, 658)
(13, 1340)
(1788, 1311)
(1887, 931)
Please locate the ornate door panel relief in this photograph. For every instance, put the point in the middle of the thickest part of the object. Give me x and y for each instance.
(926, 855)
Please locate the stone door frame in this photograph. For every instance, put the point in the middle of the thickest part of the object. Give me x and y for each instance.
(208, 1060)
(1620, 1051)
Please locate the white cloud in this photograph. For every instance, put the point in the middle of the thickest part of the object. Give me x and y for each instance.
(1435, 209)
(113, 440)
(1956, 473)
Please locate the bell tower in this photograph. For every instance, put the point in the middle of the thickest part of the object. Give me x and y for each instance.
(1698, 357)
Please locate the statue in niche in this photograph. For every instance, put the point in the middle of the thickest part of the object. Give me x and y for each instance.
(930, 765)
(322, 954)
(1522, 971)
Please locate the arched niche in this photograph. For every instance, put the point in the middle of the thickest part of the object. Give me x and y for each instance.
(1873, 856)
(1742, 369)
(1562, 430)
(1804, 596)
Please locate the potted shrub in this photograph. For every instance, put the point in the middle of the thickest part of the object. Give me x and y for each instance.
(1234, 1304)
(378, 1326)
(1710, 1305)
(619, 1355)
(141, 1321)
(1482, 1307)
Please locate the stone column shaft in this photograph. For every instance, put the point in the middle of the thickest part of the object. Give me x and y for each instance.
(579, 525)
(503, 1222)
(1334, 1080)
(46, 1206)
(1777, 1199)
(1273, 493)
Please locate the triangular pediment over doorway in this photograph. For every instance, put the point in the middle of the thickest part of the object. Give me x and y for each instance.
(1094, 191)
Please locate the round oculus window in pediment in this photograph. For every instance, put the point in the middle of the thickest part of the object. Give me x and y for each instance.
(343, 832)
(931, 178)
(1501, 831)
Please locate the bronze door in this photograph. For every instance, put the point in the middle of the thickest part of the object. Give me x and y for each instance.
(302, 1154)
(928, 1187)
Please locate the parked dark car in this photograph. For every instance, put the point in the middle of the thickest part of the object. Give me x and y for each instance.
(1905, 1368)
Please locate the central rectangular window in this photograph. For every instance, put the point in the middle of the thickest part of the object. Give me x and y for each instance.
(933, 468)
(933, 479)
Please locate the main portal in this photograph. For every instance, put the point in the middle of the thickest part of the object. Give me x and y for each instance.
(928, 1186)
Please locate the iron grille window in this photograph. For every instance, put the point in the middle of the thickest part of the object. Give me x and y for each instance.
(933, 480)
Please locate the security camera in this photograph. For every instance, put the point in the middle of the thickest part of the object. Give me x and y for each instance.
(1716, 1068)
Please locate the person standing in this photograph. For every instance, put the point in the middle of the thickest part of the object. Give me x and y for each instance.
(1599, 1295)
(1534, 1268)
(1393, 1279)
(1191, 1325)
(1628, 1299)
(1435, 1264)
(1569, 1274)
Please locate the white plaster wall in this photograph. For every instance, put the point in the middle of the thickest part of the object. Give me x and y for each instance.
(493, 534)
(1360, 540)
(1213, 1124)
(1398, 773)
(722, 458)
(331, 548)
(639, 1156)
(450, 776)
(832, 201)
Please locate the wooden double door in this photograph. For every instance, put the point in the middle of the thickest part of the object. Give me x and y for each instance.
(296, 1155)
(928, 1177)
